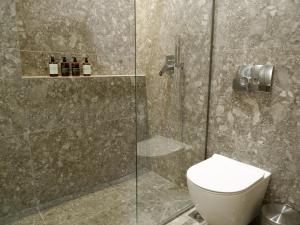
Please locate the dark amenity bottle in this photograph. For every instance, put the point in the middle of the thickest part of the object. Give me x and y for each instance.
(75, 67)
(65, 67)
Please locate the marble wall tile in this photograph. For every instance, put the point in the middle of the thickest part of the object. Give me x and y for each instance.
(194, 136)
(71, 159)
(8, 28)
(107, 99)
(259, 128)
(9, 46)
(172, 166)
(16, 189)
(254, 23)
(53, 103)
(13, 118)
(142, 110)
(10, 67)
(176, 104)
(7, 11)
(195, 102)
(81, 132)
(101, 28)
(171, 20)
(8, 34)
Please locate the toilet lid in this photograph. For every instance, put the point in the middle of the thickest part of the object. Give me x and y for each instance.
(224, 175)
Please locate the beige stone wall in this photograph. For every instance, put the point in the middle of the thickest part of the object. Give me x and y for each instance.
(177, 103)
(259, 128)
(60, 136)
(102, 30)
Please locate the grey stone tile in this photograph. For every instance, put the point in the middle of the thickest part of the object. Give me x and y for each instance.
(172, 98)
(54, 103)
(78, 30)
(96, 206)
(8, 29)
(51, 103)
(7, 9)
(257, 24)
(34, 219)
(195, 101)
(107, 99)
(11, 64)
(124, 214)
(70, 159)
(158, 199)
(259, 128)
(8, 34)
(16, 190)
(12, 114)
(172, 166)
(116, 204)
(141, 107)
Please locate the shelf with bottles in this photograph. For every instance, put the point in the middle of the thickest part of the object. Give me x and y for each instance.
(66, 68)
(83, 77)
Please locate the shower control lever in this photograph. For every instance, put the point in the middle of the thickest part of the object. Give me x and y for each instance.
(169, 65)
(254, 78)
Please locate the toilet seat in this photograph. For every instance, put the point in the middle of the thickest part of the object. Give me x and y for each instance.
(222, 175)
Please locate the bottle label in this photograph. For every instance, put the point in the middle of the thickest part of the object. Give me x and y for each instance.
(76, 71)
(65, 70)
(87, 69)
(53, 68)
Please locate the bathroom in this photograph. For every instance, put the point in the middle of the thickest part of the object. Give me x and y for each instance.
(111, 137)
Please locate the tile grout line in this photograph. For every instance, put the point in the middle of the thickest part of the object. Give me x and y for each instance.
(41, 215)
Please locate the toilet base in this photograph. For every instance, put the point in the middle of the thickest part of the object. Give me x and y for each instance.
(235, 209)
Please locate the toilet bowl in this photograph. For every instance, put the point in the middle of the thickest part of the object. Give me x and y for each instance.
(227, 192)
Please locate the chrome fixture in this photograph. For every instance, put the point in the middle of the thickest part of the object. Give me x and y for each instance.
(169, 65)
(254, 78)
(279, 214)
(178, 63)
(173, 61)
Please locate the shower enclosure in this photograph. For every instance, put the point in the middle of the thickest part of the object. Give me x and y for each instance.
(172, 121)
(112, 148)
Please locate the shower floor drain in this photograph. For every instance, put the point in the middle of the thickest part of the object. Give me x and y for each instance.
(196, 216)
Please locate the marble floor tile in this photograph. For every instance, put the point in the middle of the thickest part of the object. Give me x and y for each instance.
(159, 199)
(34, 219)
(115, 204)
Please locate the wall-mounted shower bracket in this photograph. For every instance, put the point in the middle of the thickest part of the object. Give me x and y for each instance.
(169, 66)
(178, 63)
(254, 78)
(173, 61)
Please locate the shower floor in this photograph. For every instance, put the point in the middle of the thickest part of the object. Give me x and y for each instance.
(158, 199)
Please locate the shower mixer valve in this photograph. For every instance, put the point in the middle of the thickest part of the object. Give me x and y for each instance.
(254, 78)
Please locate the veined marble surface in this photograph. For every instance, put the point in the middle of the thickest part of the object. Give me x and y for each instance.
(115, 204)
(176, 103)
(60, 136)
(262, 129)
(102, 30)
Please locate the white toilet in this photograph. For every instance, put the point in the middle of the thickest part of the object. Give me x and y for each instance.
(227, 192)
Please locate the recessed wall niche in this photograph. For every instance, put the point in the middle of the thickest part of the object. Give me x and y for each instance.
(102, 32)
